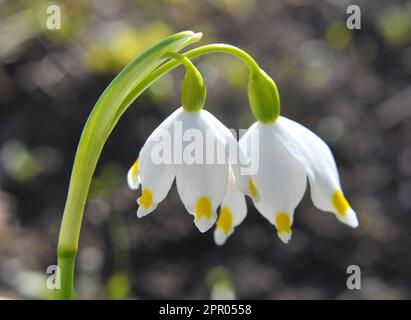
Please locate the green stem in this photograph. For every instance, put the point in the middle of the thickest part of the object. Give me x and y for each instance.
(133, 80)
(181, 58)
(66, 262)
(201, 51)
(225, 48)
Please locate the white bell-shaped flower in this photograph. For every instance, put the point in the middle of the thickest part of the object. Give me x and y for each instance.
(286, 153)
(193, 147)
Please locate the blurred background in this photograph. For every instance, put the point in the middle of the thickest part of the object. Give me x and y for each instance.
(351, 87)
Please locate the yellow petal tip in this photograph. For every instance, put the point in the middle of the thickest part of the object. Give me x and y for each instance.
(146, 199)
(203, 208)
(225, 220)
(252, 188)
(340, 203)
(283, 225)
(134, 168)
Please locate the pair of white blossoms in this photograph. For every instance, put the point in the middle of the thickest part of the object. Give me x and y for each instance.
(287, 153)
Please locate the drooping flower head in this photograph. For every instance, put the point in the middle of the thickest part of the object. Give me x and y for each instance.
(287, 154)
(192, 147)
(167, 155)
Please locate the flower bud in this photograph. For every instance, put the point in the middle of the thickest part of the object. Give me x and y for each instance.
(263, 97)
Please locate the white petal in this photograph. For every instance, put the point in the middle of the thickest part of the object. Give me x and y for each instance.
(238, 160)
(201, 186)
(280, 181)
(220, 237)
(228, 138)
(233, 211)
(143, 211)
(285, 236)
(156, 177)
(314, 154)
(349, 218)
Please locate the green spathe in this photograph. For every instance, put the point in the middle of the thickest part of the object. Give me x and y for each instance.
(263, 97)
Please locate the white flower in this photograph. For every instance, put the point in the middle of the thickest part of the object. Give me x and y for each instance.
(288, 153)
(201, 178)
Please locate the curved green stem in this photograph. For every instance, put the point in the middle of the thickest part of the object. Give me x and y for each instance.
(203, 50)
(181, 58)
(225, 48)
(192, 54)
(124, 89)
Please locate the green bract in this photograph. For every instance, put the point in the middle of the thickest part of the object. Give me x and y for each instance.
(263, 97)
